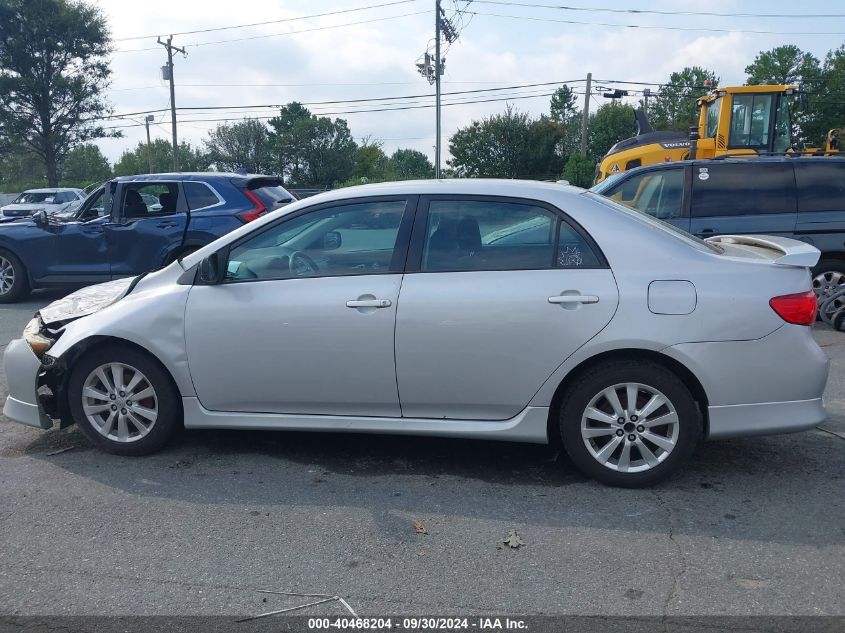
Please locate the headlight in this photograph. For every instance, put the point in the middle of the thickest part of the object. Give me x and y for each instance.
(36, 340)
(86, 301)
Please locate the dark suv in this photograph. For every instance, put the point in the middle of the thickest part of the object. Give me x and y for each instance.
(802, 198)
(130, 225)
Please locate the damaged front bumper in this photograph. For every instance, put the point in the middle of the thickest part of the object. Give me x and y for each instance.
(22, 375)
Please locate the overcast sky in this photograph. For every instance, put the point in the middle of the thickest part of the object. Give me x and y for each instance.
(376, 59)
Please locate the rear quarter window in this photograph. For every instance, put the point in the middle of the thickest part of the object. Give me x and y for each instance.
(821, 186)
(199, 195)
(742, 189)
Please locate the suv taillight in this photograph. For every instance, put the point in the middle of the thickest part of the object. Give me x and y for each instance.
(799, 308)
(254, 213)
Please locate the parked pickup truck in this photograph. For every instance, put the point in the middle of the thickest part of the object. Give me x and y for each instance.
(130, 225)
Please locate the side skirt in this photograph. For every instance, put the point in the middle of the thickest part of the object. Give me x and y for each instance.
(527, 426)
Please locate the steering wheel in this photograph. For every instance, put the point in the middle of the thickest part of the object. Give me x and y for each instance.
(301, 265)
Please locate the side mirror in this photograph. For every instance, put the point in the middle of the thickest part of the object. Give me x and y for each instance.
(332, 241)
(211, 270)
(40, 218)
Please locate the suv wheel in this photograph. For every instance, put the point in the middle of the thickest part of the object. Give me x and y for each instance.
(14, 284)
(629, 423)
(123, 401)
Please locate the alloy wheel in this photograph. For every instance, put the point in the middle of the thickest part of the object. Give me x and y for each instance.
(630, 427)
(7, 275)
(119, 402)
(827, 283)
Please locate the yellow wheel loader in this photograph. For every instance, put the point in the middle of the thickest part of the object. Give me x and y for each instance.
(732, 121)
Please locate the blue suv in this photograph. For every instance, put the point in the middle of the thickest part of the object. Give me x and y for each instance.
(130, 225)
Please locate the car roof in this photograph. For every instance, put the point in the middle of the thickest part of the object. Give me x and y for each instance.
(738, 160)
(197, 175)
(50, 190)
(466, 186)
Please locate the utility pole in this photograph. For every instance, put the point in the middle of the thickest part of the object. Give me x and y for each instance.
(437, 11)
(646, 95)
(169, 75)
(149, 119)
(586, 114)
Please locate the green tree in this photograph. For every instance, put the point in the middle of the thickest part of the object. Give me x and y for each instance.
(410, 164)
(53, 71)
(370, 161)
(241, 145)
(310, 150)
(783, 65)
(826, 106)
(674, 107)
(85, 164)
(136, 161)
(21, 170)
(579, 170)
(609, 124)
(507, 145)
(563, 104)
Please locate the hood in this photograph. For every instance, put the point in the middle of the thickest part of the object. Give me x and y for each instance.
(86, 301)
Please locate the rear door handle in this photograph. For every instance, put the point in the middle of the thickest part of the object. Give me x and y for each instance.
(707, 231)
(566, 299)
(369, 303)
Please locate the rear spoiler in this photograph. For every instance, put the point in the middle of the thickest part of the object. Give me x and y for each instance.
(792, 252)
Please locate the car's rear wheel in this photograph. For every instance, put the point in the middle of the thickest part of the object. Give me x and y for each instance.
(14, 284)
(629, 423)
(123, 401)
(828, 279)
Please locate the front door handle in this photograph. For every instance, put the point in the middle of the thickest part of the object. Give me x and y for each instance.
(570, 299)
(369, 303)
(708, 231)
(168, 224)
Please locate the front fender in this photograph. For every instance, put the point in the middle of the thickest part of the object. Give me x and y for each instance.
(151, 317)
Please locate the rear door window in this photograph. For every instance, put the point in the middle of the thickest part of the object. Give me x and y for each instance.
(821, 186)
(732, 189)
(465, 235)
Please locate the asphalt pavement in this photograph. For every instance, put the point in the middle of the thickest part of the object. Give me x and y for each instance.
(407, 525)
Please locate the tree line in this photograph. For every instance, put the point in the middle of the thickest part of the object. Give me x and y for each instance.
(54, 73)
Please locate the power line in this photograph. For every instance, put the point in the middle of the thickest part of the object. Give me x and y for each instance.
(344, 101)
(279, 21)
(386, 109)
(651, 27)
(657, 12)
(259, 37)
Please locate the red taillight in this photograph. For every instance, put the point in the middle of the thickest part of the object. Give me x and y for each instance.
(799, 308)
(255, 213)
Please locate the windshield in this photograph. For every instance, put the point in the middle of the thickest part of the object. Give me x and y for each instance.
(30, 197)
(645, 218)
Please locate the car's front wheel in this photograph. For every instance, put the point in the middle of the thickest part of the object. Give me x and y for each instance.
(14, 284)
(123, 401)
(629, 423)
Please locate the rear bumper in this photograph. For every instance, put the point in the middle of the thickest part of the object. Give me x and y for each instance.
(766, 418)
(22, 367)
(769, 385)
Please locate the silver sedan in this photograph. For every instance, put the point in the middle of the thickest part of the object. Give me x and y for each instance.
(505, 310)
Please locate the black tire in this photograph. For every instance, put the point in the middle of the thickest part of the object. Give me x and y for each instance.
(20, 286)
(656, 377)
(836, 266)
(166, 399)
